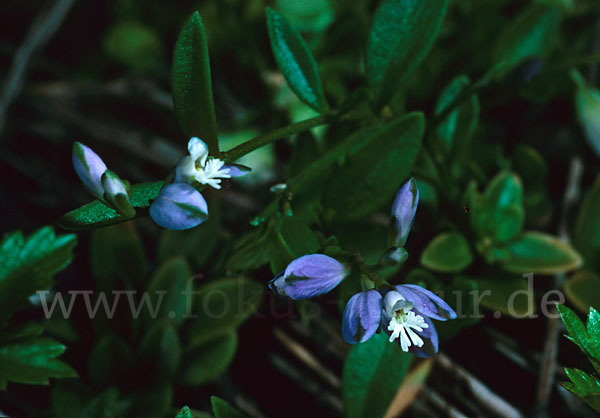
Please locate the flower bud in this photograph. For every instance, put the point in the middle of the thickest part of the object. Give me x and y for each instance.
(309, 276)
(89, 167)
(361, 316)
(179, 206)
(403, 212)
(116, 193)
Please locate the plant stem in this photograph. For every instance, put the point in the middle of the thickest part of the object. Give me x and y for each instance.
(262, 140)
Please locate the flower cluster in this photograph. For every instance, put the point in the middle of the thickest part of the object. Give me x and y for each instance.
(179, 205)
(404, 312)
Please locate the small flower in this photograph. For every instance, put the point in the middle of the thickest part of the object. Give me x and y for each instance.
(104, 184)
(404, 313)
(199, 167)
(361, 316)
(403, 212)
(309, 276)
(179, 206)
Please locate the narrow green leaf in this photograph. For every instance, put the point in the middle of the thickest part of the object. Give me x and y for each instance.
(32, 361)
(536, 252)
(533, 33)
(191, 84)
(173, 280)
(374, 168)
(295, 61)
(586, 233)
(96, 214)
(206, 361)
(583, 290)
(373, 373)
(28, 264)
(448, 252)
(402, 33)
(223, 305)
(222, 409)
(587, 103)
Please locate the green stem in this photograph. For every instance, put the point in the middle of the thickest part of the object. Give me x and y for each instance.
(262, 140)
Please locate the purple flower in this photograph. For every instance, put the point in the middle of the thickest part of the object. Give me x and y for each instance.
(309, 276)
(403, 211)
(361, 316)
(104, 184)
(179, 206)
(404, 313)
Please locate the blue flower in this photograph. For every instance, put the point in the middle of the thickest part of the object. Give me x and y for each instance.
(404, 313)
(309, 276)
(180, 205)
(104, 184)
(403, 211)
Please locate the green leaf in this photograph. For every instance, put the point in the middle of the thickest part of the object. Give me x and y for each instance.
(587, 103)
(160, 349)
(457, 128)
(508, 295)
(583, 290)
(110, 360)
(28, 264)
(373, 373)
(135, 45)
(249, 251)
(374, 168)
(295, 61)
(499, 216)
(191, 84)
(584, 386)
(292, 239)
(533, 33)
(172, 279)
(586, 233)
(402, 33)
(196, 244)
(448, 252)
(224, 305)
(206, 361)
(185, 413)
(96, 214)
(74, 400)
(117, 251)
(222, 409)
(32, 361)
(536, 252)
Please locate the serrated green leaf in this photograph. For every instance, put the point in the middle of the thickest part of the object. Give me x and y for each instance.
(208, 360)
(583, 290)
(373, 372)
(172, 279)
(537, 252)
(584, 386)
(28, 264)
(32, 361)
(586, 233)
(402, 33)
(224, 305)
(185, 413)
(97, 214)
(448, 252)
(191, 84)
(295, 61)
(533, 33)
(375, 168)
(222, 409)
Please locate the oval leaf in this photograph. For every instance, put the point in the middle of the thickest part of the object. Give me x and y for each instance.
(583, 290)
(171, 280)
(295, 61)
(207, 361)
(508, 295)
(191, 84)
(375, 168)
(536, 252)
(373, 373)
(402, 33)
(448, 252)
